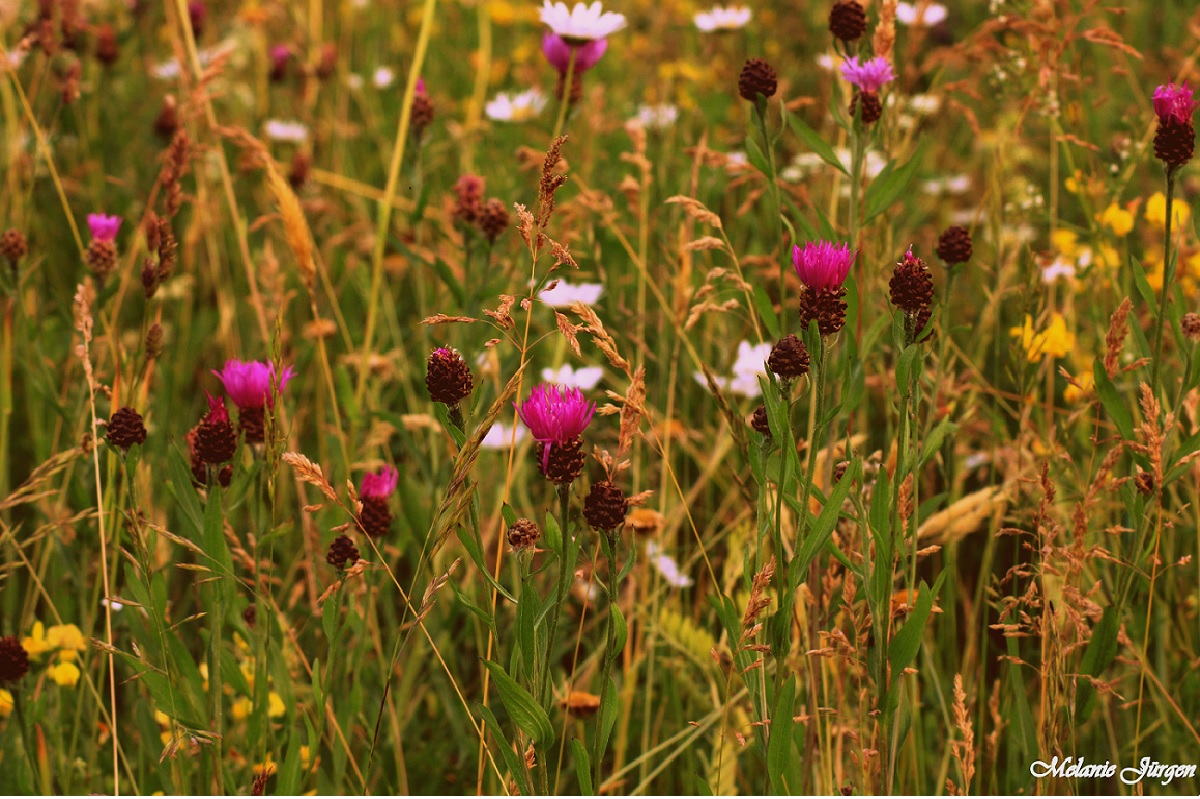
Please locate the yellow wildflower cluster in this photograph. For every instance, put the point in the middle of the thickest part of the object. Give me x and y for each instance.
(66, 641)
(1156, 211)
(1054, 340)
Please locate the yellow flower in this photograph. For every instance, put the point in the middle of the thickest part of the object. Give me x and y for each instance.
(6, 704)
(65, 674)
(1117, 219)
(67, 637)
(162, 718)
(305, 757)
(1066, 242)
(275, 707)
(241, 708)
(1055, 341)
(36, 644)
(267, 765)
(1156, 211)
(1074, 394)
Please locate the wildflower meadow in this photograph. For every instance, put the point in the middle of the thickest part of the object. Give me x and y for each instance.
(634, 397)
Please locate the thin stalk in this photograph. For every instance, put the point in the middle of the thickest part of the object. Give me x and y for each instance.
(560, 592)
(760, 115)
(1168, 279)
(568, 85)
(614, 585)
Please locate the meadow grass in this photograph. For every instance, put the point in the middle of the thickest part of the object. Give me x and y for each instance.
(906, 529)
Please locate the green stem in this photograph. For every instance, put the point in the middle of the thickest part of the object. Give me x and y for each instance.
(564, 511)
(760, 116)
(568, 85)
(1168, 279)
(614, 585)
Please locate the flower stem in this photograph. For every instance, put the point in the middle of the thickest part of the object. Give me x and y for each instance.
(614, 578)
(568, 85)
(760, 115)
(564, 510)
(1168, 278)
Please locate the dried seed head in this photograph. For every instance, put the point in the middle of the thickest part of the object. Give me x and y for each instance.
(560, 463)
(523, 534)
(342, 553)
(954, 245)
(154, 340)
(847, 20)
(494, 219)
(215, 439)
(757, 77)
(101, 258)
(126, 428)
(1174, 142)
(872, 106)
(789, 358)
(14, 660)
(1190, 325)
(826, 306)
(376, 517)
(448, 377)
(605, 507)
(759, 421)
(13, 246)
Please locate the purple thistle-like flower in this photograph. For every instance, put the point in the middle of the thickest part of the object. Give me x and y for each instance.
(380, 484)
(103, 227)
(248, 383)
(555, 415)
(869, 76)
(217, 413)
(1173, 102)
(558, 53)
(821, 264)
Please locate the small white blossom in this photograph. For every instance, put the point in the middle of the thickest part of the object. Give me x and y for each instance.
(562, 294)
(914, 14)
(720, 18)
(657, 117)
(383, 77)
(585, 378)
(515, 107)
(501, 436)
(667, 566)
(1060, 269)
(285, 131)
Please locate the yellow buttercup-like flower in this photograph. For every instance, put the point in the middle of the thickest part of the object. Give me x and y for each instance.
(6, 704)
(1074, 394)
(35, 644)
(1117, 219)
(1055, 341)
(64, 674)
(1156, 211)
(66, 637)
(241, 708)
(1066, 242)
(275, 706)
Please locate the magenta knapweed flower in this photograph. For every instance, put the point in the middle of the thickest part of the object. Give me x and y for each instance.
(217, 413)
(381, 484)
(869, 76)
(103, 227)
(558, 53)
(1173, 102)
(823, 265)
(248, 383)
(555, 415)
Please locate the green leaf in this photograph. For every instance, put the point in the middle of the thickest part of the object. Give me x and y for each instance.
(527, 613)
(608, 716)
(1100, 653)
(583, 768)
(889, 186)
(525, 712)
(822, 529)
(516, 765)
(779, 747)
(933, 442)
(475, 550)
(907, 641)
(815, 143)
(766, 311)
(756, 157)
(510, 515)
(620, 629)
(1114, 404)
(184, 494)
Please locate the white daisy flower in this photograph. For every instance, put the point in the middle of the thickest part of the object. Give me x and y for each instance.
(928, 16)
(383, 77)
(354, 81)
(826, 62)
(1061, 269)
(561, 294)
(501, 436)
(720, 18)
(515, 107)
(285, 131)
(924, 104)
(582, 23)
(584, 378)
(751, 362)
(657, 117)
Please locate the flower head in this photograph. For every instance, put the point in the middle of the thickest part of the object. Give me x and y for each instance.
(103, 227)
(561, 294)
(558, 53)
(869, 76)
(381, 484)
(248, 383)
(1056, 340)
(1175, 103)
(920, 14)
(217, 413)
(581, 23)
(720, 18)
(821, 264)
(556, 415)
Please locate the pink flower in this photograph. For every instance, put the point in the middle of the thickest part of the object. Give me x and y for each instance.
(868, 77)
(420, 86)
(822, 265)
(217, 414)
(248, 383)
(1173, 102)
(558, 53)
(103, 227)
(280, 54)
(381, 484)
(555, 415)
